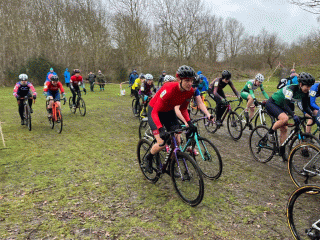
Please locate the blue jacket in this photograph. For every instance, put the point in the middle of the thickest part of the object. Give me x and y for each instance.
(314, 93)
(67, 76)
(293, 80)
(203, 86)
(54, 73)
(132, 78)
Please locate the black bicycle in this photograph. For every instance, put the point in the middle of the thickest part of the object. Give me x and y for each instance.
(26, 112)
(303, 213)
(181, 167)
(263, 150)
(79, 104)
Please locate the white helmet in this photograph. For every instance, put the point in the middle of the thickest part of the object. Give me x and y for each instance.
(148, 76)
(23, 77)
(259, 77)
(169, 78)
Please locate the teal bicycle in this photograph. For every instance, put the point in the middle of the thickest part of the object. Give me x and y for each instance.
(205, 153)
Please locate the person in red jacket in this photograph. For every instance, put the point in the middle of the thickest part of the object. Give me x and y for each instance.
(75, 81)
(51, 91)
(161, 113)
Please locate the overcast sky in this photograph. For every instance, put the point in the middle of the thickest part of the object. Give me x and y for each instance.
(279, 16)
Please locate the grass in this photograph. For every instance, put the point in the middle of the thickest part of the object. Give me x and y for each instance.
(85, 183)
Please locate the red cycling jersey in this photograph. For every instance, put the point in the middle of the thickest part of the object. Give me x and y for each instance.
(74, 80)
(167, 98)
(49, 86)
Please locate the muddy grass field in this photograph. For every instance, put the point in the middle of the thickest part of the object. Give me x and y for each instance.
(85, 183)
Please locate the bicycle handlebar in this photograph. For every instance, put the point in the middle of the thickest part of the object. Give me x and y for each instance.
(173, 132)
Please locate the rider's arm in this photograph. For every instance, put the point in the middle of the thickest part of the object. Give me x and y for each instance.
(60, 87)
(234, 89)
(215, 90)
(184, 110)
(306, 105)
(202, 106)
(15, 90)
(32, 89)
(313, 96)
(179, 114)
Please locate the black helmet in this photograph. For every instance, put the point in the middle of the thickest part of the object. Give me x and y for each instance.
(306, 79)
(226, 75)
(54, 78)
(186, 72)
(76, 71)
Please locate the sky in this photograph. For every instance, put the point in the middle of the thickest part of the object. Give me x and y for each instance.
(287, 20)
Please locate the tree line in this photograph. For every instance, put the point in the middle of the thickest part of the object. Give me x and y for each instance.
(116, 36)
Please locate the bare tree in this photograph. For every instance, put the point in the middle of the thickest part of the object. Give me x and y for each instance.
(312, 6)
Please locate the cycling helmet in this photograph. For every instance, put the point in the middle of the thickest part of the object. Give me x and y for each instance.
(226, 75)
(259, 77)
(54, 78)
(148, 76)
(306, 79)
(142, 76)
(196, 81)
(23, 77)
(185, 72)
(76, 71)
(169, 78)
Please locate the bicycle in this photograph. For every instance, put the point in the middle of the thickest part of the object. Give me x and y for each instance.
(234, 122)
(26, 112)
(79, 104)
(204, 153)
(144, 108)
(260, 116)
(56, 117)
(304, 165)
(303, 213)
(194, 108)
(263, 150)
(136, 110)
(183, 170)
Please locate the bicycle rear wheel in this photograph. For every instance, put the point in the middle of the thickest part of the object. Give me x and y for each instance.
(303, 213)
(59, 121)
(72, 109)
(82, 107)
(27, 116)
(234, 125)
(261, 149)
(187, 179)
(304, 165)
(211, 126)
(143, 148)
(208, 158)
(193, 107)
(240, 111)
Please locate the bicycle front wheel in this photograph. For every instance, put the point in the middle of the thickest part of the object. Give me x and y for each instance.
(234, 126)
(261, 149)
(82, 107)
(240, 111)
(304, 165)
(207, 157)
(59, 121)
(187, 179)
(143, 148)
(303, 213)
(211, 126)
(263, 118)
(145, 131)
(27, 116)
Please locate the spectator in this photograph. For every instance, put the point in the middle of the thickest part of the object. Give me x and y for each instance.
(91, 77)
(133, 76)
(101, 80)
(49, 75)
(161, 78)
(67, 77)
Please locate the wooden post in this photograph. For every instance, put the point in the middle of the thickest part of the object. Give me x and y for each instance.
(4, 144)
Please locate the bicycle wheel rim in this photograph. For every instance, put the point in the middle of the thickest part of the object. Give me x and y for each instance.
(29, 118)
(143, 148)
(72, 110)
(211, 126)
(82, 107)
(303, 211)
(59, 121)
(261, 150)
(234, 126)
(208, 158)
(266, 120)
(302, 173)
(189, 186)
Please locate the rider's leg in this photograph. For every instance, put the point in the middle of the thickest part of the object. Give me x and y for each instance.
(281, 123)
(20, 108)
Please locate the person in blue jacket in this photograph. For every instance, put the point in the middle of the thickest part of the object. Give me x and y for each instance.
(313, 94)
(133, 76)
(67, 77)
(204, 77)
(203, 86)
(51, 72)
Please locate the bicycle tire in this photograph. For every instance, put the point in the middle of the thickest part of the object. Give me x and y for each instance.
(258, 143)
(306, 138)
(82, 107)
(145, 131)
(207, 103)
(143, 148)
(240, 111)
(303, 212)
(298, 158)
(211, 126)
(190, 174)
(72, 109)
(267, 121)
(28, 116)
(234, 125)
(59, 121)
(193, 109)
(208, 158)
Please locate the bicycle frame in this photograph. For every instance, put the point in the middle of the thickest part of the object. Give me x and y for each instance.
(257, 112)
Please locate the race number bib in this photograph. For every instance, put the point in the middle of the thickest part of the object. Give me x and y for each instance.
(312, 93)
(288, 94)
(163, 93)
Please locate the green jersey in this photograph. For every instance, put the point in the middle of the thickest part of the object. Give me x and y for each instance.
(250, 87)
